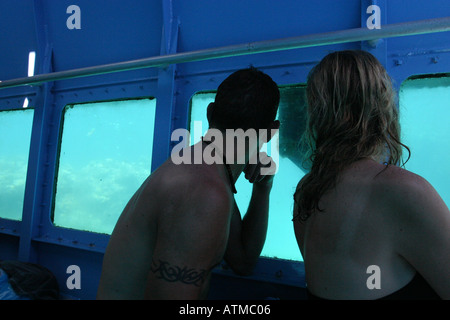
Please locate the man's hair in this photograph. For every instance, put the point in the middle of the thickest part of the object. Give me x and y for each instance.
(248, 98)
(351, 114)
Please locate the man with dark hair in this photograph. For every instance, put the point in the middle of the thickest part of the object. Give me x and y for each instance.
(247, 99)
(183, 220)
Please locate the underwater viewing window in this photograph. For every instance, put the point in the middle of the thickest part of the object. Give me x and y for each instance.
(105, 155)
(424, 118)
(15, 137)
(280, 241)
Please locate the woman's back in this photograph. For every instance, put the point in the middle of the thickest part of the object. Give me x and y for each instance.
(364, 244)
(365, 229)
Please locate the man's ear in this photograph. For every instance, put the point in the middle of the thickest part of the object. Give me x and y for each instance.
(209, 112)
(273, 129)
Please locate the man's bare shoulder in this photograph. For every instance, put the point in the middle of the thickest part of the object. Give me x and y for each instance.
(194, 214)
(194, 187)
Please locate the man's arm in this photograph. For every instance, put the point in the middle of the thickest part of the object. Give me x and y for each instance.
(188, 247)
(247, 236)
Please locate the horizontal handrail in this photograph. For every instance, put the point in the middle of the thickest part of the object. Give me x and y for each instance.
(328, 38)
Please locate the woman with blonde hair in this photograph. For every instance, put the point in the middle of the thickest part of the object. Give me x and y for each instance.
(367, 229)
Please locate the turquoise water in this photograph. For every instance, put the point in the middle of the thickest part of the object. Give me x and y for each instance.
(107, 147)
(15, 135)
(105, 156)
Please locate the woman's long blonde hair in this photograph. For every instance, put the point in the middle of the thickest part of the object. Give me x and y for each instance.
(352, 114)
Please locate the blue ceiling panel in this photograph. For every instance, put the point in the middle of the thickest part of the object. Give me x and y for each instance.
(237, 21)
(17, 37)
(399, 11)
(111, 31)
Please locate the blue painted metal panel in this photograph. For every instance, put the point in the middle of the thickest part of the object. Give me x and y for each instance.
(166, 88)
(401, 11)
(17, 37)
(235, 21)
(111, 31)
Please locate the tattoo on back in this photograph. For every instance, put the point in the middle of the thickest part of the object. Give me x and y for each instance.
(163, 270)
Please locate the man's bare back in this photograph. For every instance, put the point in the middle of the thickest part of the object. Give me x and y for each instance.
(166, 209)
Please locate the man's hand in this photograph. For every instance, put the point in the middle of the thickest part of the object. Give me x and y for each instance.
(261, 171)
(248, 234)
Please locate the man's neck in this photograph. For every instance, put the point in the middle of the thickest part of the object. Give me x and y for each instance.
(235, 161)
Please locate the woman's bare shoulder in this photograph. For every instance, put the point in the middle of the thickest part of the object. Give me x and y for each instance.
(412, 198)
(401, 182)
(421, 221)
(407, 196)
